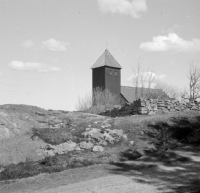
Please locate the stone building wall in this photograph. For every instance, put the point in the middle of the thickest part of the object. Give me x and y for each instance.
(152, 107)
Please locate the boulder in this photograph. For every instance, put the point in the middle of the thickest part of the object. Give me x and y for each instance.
(194, 108)
(142, 132)
(86, 145)
(49, 153)
(68, 146)
(102, 142)
(98, 148)
(96, 135)
(108, 137)
(132, 142)
(77, 148)
(125, 136)
(93, 133)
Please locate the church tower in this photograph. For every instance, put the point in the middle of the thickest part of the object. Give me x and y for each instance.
(106, 74)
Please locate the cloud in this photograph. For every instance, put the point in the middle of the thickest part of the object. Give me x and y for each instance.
(126, 7)
(172, 42)
(28, 43)
(35, 66)
(54, 45)
(146, 77)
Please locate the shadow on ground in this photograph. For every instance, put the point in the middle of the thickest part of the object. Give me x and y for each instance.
(176, 170)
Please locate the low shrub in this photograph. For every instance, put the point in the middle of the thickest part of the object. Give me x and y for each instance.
(52, 136)
(98, 101)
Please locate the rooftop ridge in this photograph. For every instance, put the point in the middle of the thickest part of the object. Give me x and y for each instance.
(106, 59)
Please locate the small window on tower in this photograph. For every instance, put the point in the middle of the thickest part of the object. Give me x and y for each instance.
(115, 73)
(110, 72)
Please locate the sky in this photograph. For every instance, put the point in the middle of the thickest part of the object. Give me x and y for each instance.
(47, 47)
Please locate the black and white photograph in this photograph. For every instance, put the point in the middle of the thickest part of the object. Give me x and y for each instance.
(99, 96)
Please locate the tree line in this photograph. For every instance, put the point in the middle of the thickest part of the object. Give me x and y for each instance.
(147, 85)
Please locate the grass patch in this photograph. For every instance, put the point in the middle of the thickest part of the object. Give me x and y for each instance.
(53, 164)
(53, 136)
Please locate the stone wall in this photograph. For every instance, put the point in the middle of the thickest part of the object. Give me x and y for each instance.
(152, 107)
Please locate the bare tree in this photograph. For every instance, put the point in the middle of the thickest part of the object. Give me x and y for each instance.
(194, 81)
(97, 101)
(147, 85)
(151, 81)
(137, 77)
(184, 94)
(143, 81)
(165, 90)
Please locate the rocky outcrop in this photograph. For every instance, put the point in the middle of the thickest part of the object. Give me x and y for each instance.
(152, 107)
(95, 139)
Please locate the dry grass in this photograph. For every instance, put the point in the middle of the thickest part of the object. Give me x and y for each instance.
(98, 101)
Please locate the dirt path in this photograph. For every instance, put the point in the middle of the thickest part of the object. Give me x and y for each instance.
(107, 184)
(177, 171)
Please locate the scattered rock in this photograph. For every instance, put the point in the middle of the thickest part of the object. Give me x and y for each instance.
(1, 169)
(93, 133)
(125, 136)
(48, 147)
(132, 142)
(105, 125)
(194, 108)
(86, 145)
(102, 142)
(64, 147)
(77, 148)
(98, 148)
(109, 138)
(142, 132)
(50, 153)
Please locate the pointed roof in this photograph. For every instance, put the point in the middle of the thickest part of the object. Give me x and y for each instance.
(106, 59)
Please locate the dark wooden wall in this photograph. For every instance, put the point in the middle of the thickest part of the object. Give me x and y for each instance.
(113, 80)
(107, 78)
(98, 78)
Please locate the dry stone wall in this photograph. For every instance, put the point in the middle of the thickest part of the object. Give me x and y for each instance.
(152, 107)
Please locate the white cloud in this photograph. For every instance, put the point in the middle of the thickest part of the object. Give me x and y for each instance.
(172, 42)
(126, 7)
(55, 45)
(28, 43)
(146, 77)
(32, 66)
